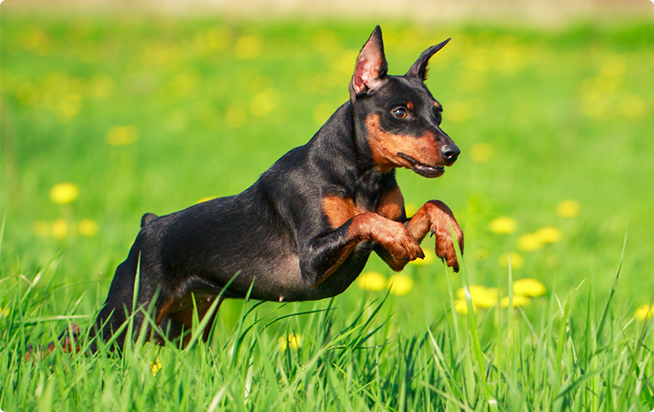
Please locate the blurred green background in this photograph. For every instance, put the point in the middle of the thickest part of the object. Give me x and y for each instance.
(152, 112)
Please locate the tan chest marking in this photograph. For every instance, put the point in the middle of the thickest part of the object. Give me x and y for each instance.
(339, 209)
(391, 205)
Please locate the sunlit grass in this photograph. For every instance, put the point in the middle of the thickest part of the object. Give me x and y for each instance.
(322, 358)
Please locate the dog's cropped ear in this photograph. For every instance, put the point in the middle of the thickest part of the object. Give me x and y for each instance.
(419, 68)
(371, 65)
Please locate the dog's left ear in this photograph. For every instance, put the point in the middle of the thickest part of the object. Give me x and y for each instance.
(371, 66)
(419, 68)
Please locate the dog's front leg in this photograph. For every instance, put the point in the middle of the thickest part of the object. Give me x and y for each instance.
(435, 217)
(325, 254)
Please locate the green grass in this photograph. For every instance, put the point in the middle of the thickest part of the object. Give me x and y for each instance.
(215, 103)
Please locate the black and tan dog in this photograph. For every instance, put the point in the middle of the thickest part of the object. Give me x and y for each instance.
(306, 228)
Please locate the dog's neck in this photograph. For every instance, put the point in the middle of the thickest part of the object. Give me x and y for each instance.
(344, 137)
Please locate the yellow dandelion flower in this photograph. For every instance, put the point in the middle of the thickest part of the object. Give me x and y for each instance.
(485, 298)
(217, 38)
(59, 229)
(248, 47)
(430, 257)
(481, 254)
(410, 209)
(35, 41)
(68, 107)
(529, 242)
(87, 227)
(614, 66)
(633, 106)
(63, 193)
(155, 366)
(517, 261)
(644, 312)
(292, 341)
(568, 208)
(461, 306)
(481, 152)
(461, 293)
(480, 295)
(4, 312)
(528, 287)
(503, 225)
(122, 135)
(373, 281)
(264, 102)
(549, 234)
(400, 284)
(518, 300)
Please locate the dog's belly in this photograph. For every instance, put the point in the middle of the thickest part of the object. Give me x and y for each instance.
(276, 279)
(280, 279)
(283, 281)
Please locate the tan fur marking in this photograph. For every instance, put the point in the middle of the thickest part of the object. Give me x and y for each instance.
(391, 235)
(391, 205)
(437, 216)
(438, 106)
(166, 309)
(385, 147)
(409, 105)
(339, 210)
(180, 312)
(432, 216)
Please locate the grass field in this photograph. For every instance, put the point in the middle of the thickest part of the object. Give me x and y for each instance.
(151, 114)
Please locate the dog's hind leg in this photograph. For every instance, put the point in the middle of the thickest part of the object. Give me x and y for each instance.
(119, 305)
(176, 317)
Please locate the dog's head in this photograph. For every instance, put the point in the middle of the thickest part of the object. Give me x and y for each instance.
(401, 117)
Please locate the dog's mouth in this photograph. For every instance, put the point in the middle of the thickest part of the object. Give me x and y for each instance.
(423, 169)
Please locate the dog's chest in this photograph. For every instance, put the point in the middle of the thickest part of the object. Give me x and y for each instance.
(340, 209)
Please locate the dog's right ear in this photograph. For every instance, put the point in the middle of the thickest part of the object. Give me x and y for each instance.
(371, 66)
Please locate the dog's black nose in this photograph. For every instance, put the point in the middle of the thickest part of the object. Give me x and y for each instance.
(450, 152)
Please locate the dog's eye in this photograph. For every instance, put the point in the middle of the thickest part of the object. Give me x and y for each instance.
(439, 117)
(400, 112)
